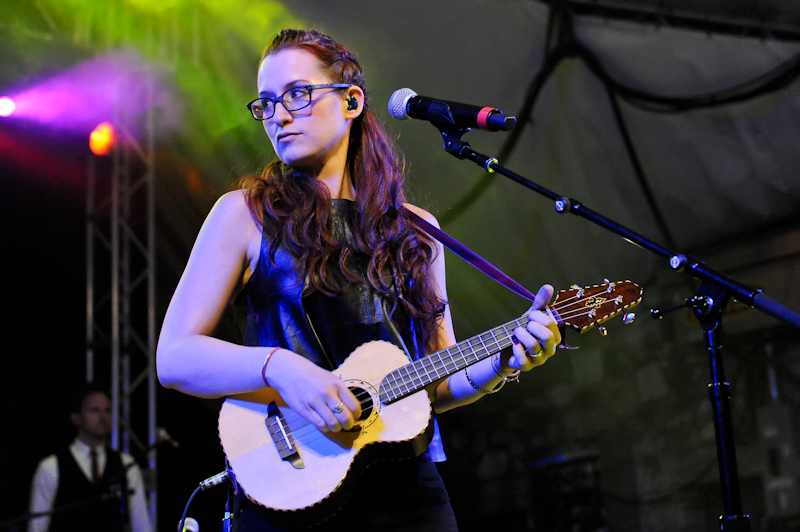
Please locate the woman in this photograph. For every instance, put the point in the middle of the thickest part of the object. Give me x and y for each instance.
(320, 257)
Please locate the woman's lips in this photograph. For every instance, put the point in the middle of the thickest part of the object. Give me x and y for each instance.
(283, 137)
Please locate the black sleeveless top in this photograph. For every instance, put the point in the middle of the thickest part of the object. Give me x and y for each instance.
(280, 311)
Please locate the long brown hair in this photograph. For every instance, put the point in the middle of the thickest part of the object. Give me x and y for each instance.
(294, 208)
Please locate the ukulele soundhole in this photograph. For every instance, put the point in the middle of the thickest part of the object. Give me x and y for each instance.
(366, 394)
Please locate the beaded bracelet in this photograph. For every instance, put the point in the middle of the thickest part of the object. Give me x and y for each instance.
(507, 377)
(264, 367)
(479, 388)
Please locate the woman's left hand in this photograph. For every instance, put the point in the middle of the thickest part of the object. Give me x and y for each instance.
(537, 341)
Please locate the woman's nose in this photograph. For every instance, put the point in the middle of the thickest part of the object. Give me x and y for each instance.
(282, 115)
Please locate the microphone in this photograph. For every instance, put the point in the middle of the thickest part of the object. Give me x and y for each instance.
(190, 525)
(405, 104)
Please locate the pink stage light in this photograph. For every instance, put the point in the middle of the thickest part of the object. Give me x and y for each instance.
(7, 106)
(116, 87)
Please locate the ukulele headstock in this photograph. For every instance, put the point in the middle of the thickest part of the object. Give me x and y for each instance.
(583, 308)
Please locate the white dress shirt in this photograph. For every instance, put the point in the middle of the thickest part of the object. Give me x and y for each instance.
(45, 484)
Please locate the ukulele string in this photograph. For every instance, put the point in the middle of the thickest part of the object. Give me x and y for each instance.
(580, 292)
(295, 423)
(574, 311)
(581, 311)
(568, 310)
(585, 311)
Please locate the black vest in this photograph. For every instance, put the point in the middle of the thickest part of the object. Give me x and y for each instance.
(73, 487)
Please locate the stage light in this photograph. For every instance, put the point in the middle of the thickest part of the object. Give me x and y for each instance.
(7, 106)
(102, 139)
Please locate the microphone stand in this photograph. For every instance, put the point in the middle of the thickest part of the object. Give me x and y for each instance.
(713, 294)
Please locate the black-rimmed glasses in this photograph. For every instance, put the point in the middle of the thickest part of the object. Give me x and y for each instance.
(293, 99)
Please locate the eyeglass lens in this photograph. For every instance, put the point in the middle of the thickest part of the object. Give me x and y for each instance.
(294, 99)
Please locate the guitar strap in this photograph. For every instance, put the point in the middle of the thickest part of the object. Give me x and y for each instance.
(470, 256)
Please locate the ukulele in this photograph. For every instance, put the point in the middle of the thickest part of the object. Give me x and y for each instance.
(302, 475)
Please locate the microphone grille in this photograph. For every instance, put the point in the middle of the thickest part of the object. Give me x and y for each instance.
(398, 101)
(190, 525)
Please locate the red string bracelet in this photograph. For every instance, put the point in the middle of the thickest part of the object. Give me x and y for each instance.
(266, 361)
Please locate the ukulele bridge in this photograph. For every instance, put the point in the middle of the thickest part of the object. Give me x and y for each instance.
(282, 437)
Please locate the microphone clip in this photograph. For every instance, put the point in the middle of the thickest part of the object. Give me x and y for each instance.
(452, 140)
(461, 149)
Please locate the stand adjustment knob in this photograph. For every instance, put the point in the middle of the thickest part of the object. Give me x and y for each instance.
(678, 262)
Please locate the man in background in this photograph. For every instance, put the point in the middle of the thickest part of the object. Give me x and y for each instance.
(83, 482)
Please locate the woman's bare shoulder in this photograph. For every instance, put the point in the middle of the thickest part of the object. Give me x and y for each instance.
(235, 200)
(233, 208)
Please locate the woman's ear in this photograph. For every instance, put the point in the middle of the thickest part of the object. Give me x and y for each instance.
(354, 102)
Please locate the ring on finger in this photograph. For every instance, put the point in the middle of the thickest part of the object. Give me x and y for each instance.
(538, 351)
(338, 409)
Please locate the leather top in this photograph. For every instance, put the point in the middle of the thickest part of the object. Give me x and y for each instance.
(281, 312)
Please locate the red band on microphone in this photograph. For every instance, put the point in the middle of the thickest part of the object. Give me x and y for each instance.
(483, 115)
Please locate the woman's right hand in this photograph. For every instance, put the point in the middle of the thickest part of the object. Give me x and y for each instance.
(318, 395)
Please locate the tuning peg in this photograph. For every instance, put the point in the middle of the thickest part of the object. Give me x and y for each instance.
(603, 331)
(628, 318)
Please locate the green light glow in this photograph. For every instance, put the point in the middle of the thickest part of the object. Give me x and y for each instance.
(219, 39)
(208, 50)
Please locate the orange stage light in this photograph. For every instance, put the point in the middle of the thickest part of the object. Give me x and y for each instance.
(102, 139)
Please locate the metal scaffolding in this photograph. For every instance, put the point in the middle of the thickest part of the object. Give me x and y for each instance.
(120, 289)
(121, 331)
